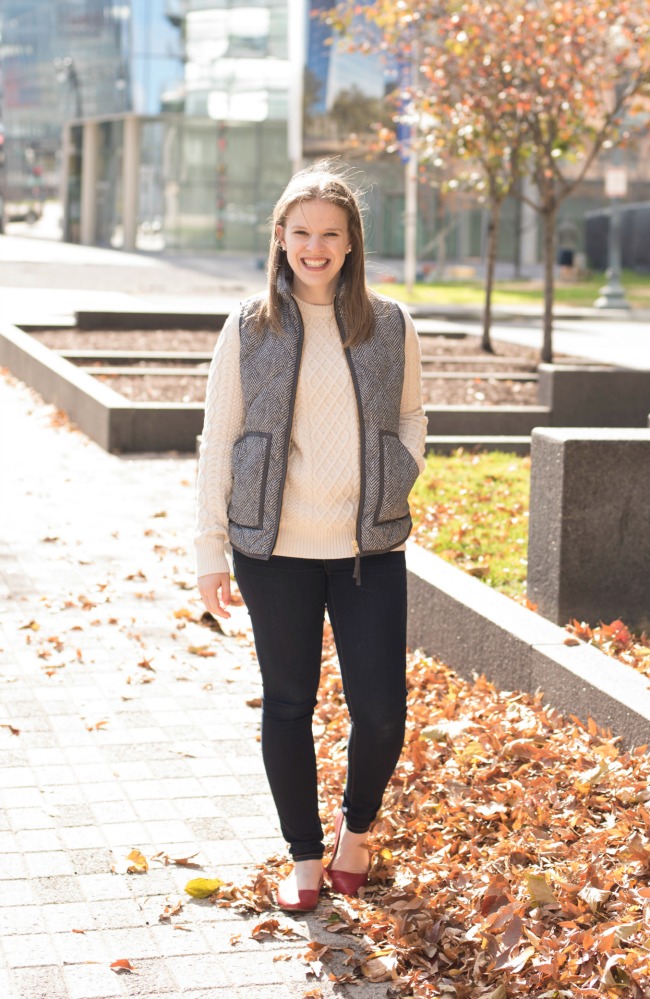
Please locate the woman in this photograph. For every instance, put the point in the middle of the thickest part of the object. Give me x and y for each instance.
(314, 434)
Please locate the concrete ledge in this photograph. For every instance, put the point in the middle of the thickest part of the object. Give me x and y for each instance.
(490, 421)
(107, 417)
(439, 444)
(594, 395)
(475, 629)
(148, 320)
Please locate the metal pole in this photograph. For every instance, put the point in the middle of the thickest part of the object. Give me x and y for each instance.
(612, 294)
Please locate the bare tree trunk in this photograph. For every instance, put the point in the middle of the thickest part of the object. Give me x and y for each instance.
(490, 262)
(549, 219)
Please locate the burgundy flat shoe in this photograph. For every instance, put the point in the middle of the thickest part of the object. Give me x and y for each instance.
(307, 899)
(344, 882)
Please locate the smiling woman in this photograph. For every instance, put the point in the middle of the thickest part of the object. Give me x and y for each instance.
(314, 434)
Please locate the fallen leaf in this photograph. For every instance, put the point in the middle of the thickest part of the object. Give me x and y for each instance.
(266, 927)
(170, 909)
(203, 887)
(539, 889)
(97, 726)
(134, 863)
(122, 965)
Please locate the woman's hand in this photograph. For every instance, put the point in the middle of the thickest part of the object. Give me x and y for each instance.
(209, 587)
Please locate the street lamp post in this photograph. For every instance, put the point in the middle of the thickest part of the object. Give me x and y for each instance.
(612, 294)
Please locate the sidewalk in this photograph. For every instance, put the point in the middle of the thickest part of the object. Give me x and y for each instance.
(114, 736)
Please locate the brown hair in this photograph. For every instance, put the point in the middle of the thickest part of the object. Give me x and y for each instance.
(322, 181)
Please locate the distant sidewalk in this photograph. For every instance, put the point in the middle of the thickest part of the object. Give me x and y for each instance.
(45, 280)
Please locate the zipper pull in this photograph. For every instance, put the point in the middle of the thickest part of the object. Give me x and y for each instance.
(356, 575)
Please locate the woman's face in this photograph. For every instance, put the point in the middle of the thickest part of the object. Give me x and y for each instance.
(315, 236)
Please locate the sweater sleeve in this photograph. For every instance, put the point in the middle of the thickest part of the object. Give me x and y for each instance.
(223, 424)
(412, 420)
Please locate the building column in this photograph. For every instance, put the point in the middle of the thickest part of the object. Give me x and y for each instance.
(89, 172)
(130, 181)
(64, 186)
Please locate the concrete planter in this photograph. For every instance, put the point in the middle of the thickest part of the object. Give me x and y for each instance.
(475, 629)
(486, 421)
(594, 395)
(116, 423)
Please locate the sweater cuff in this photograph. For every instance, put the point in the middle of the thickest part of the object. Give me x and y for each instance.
(210, 557)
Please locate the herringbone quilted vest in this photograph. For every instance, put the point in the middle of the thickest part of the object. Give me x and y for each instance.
(270, 364)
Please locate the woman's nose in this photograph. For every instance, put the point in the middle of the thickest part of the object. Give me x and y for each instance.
(314, 241)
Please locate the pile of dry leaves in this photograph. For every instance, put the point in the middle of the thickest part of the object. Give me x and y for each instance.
(512, 855)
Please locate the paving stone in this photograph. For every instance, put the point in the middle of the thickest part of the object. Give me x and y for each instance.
(22, 797)
(67, 916)
(91, 861)
(135, 942)
(23, 918)
(31, 818)
(100, 887)
(122, 834)
(117, 913)
(88, 981)
(29, 950)
(48, 864)
(77, 948)
(17, 892)
(39, 983)
(198, 971)
(82, 837)
(56, 889)
(12, 867)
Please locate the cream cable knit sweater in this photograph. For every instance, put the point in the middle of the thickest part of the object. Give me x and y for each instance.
(321, 491)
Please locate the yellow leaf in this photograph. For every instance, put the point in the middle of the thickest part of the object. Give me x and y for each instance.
(203, 887)
(201, 650)
(539, 889)
(134, 863)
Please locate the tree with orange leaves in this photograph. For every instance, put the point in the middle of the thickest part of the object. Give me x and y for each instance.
(540, 86)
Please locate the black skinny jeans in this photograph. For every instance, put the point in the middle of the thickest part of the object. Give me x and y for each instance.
(287, 599)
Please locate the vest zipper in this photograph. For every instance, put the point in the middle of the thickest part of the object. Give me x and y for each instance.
(356, 544)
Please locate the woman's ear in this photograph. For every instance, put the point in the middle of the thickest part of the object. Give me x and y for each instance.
(279, 232)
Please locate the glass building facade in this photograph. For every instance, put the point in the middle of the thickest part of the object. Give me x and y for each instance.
(71, 59)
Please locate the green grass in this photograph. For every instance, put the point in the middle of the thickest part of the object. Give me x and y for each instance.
(580, 293)
(472, 510)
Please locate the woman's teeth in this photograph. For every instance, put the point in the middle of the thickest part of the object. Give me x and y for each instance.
(315, 265)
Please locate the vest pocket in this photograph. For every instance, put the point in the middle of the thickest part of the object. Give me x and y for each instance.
(398, 470)
(250, 468)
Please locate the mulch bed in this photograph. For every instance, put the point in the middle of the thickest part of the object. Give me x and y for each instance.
(439, 354)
